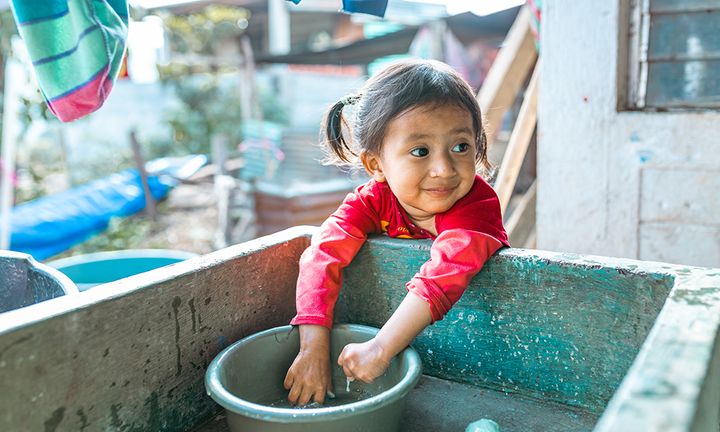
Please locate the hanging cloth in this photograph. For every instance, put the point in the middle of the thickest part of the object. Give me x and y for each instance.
(76, 48)
(371, 7)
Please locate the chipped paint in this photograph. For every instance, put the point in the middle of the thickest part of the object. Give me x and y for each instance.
(705, 296)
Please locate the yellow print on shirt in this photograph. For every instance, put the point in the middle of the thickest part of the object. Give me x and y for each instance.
(384, 227)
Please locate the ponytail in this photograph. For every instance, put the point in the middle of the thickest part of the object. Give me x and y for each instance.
(481, 151)
(341, 152)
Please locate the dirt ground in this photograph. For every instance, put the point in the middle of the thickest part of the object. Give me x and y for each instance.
(186, 221)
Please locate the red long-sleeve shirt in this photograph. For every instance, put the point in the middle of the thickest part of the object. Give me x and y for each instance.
(468, 234)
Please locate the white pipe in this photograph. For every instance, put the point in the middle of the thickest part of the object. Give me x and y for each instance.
(11, 107)
(278, 27)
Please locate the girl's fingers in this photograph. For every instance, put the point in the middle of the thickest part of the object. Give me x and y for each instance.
(319, 396)
(294, 394)
(348, 373)
(341, 357)
(289, 379)
(305, 396)
(329, 389)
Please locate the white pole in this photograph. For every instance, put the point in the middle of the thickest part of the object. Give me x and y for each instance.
(10, 132)
(278, 27)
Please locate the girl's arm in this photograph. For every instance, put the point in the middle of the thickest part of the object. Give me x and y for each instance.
(367, 361)
(309, 376)
(332, 248)
(335, 245)
(456, 257)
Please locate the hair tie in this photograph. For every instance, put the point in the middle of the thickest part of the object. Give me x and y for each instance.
(349, 99)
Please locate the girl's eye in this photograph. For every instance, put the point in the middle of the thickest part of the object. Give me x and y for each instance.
(461, 148)
(419, 152)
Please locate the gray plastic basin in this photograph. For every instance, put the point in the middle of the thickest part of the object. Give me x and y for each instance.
(247, 380)
(24, 281)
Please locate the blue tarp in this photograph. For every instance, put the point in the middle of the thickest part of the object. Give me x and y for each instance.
(47, 226)
(372, 7)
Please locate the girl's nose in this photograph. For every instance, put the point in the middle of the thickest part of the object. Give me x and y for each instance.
(442, 166)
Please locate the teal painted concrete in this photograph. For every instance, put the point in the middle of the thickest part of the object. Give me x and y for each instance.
(562, 328)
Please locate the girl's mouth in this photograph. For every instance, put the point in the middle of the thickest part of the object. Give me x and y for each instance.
(441, 191)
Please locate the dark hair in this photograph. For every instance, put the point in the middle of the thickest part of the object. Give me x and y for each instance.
(396, 89)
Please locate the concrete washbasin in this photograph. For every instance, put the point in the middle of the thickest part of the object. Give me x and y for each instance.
(540, 340)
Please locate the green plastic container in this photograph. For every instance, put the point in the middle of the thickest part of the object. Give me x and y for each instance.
(98, 268)
(247, 380)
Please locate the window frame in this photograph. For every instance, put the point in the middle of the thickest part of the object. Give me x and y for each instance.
(633, 66)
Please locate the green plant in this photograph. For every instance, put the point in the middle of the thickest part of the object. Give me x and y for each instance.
(205, 79)
(204, 31)
(121, 233)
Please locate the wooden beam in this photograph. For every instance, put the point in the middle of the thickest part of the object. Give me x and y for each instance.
(531, 241)
(224, 185)
(507, 73)
(150, 207)
(518, 144)
(521, 224)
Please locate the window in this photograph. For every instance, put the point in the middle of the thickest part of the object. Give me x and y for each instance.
(673, 55)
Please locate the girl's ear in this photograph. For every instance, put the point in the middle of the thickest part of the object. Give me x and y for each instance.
(372, 165)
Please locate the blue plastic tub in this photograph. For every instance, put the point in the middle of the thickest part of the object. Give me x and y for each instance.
(98, 268)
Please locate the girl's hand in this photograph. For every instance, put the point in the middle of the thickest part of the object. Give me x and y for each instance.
(309, 376)
(364, 361)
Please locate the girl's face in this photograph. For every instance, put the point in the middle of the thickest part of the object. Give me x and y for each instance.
(427, 158)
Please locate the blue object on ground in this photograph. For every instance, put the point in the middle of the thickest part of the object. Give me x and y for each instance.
(483, 425)
(371, 7)
(49, 225)
(89, 270)
(25, 281)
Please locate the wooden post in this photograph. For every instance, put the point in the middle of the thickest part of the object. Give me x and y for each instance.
(507, 73)
(521, 223)
(224, 185)
(518, 144)
(247, 78)
(150, 208)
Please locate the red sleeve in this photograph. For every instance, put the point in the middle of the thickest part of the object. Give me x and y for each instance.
(331, 249)
(469, 233)
(479, 210)
(456, 256)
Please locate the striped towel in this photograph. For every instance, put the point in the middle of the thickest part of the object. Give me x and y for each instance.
(76, 48)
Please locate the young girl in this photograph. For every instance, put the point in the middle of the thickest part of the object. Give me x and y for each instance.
(418, 133)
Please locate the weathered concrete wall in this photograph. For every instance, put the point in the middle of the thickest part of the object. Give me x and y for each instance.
(626, 184)
(132, 355)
